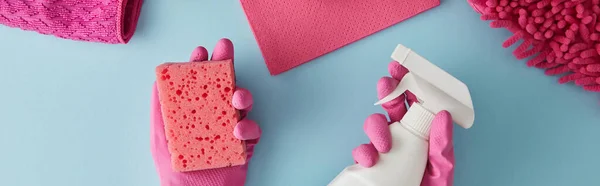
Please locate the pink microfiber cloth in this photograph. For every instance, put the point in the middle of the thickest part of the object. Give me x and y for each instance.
(105, 21)
(560, 36)
(292, 32)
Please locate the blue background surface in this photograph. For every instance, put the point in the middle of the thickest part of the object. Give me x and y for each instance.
(77, 113)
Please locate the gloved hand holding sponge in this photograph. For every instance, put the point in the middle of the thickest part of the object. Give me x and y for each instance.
(209, 140)
(201, 137)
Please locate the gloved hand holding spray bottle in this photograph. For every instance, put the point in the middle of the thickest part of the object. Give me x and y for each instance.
(404, 147)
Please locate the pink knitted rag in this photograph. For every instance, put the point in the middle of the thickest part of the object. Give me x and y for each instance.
(561, 36)
(105, 21)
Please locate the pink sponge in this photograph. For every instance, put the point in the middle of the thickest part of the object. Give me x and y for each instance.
(199, 118)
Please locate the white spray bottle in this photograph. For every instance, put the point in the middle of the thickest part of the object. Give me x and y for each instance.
(405, 163)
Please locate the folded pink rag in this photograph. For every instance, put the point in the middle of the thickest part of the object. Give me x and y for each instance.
(105, 21)
(293, 32)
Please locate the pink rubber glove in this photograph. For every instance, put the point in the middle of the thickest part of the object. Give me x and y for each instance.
(245, 130)
(440, 166)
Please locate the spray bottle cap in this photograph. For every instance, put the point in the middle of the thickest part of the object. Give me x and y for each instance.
(435, 89)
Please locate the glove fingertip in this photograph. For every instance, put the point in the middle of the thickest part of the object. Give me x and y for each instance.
(376, 128)
(365, 155)
(199, 54)
(441, 131)
(247, 130)
(442, 124)
(397, 71)
(242, 99)
(223, 50)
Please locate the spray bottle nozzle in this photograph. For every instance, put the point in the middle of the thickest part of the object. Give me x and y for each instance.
(436, 89)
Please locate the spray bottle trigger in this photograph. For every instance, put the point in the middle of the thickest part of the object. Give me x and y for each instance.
(436, 89)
